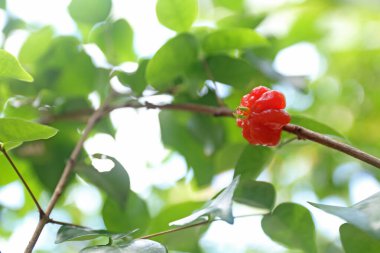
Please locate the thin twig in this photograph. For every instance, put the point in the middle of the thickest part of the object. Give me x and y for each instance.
(40, 210)
(63, 223)
(97, 115)
(212, 79)
(173, 230)
(304, 133)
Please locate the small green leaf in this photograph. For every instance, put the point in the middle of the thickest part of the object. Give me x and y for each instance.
(234, 5)
(256, 194)
(115, 39)
(229, 70)
(252, 161)
(114, 182)
(36, 46)
(177, 15)
(90, 11)
(220, 207)
(73, 233)
(172, 60)
(232, 38)
(14, 130)
(133, 215)
(292, 225)
(136, 246)
(365, 214)
(3, 4)
(11, 68)
(136, 80)
(355, 240)
(315, 126)
(240, 20)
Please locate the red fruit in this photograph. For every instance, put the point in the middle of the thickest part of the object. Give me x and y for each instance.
(261, 116)
(269, 100)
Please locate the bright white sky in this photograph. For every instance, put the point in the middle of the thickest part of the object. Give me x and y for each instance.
(137, 142)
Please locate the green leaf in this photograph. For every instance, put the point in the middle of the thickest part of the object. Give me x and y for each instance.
(228, 155)
(114, 182)
(240, 20)
(115, 39)
(292, 225)
(177, 15)
(232, 38)
(232, 71)
(234, 5)
(355, 240)
(36, 46)
(175, 135)
(172, 60)
(177, 241)
(3, 4)
(14, 130)
(252, 161)
(220, 207)
(315, 126)
(256, 194)
(73, 233)
(365, 214)
(136, 246)
(136, 80)
(89, 11)
(11, 68)
(133, 215)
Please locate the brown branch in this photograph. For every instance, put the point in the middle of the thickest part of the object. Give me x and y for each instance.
(304, 133)
(40, 210)
(98, 114)
(300, 132)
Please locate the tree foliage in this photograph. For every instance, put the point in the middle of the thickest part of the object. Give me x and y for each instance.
(54, 94)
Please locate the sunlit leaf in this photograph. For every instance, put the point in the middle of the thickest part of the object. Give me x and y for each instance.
(240, 20)
(11, 68)
(355, 240)
(172, 60)
(232, 38)
(136, 246)
(253, 161)
(136, 80)
(256, 194)
(14, 130)
(133, 215)
(235, 5)
(365, 214)
(35, 46)
(177, 15)
(292, 225)
(74, 233)
(230, 70)
(220, 207)
(90, 11)
(115, 39)
(114, 182)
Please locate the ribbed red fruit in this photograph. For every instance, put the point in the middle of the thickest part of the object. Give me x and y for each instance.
(262, 117)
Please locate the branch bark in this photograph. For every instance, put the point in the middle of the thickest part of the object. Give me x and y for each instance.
(98, 114)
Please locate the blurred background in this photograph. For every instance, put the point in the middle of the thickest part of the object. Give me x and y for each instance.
(324, 55)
